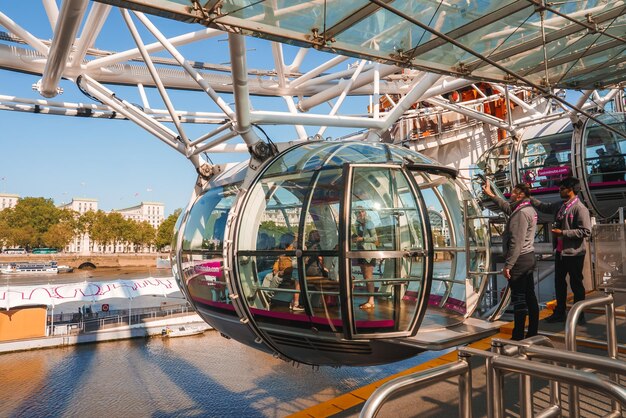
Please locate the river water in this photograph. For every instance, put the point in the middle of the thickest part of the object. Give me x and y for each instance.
(197, 376)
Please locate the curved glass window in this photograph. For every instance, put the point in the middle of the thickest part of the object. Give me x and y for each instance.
(315, 155)
(320, 263)
(605, 163)
(174, 256)
(202, 244)
(456, 284)
(545, 161)
(496, 166)
(387, 258)
(290, 256)
(268, 239)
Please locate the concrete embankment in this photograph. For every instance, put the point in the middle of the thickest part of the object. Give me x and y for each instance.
(89, 260)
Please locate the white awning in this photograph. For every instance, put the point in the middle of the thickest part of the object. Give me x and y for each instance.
(12, 296)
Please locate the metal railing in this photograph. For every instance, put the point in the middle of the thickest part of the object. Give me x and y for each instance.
(99, 320)
(571, 345)
(459, 368)
(563, 368)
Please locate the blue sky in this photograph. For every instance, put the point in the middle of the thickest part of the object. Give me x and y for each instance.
(114, 161)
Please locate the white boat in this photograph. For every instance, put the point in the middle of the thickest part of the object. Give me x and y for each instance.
(182, 331)
(163, 263)
(65, 269)
(30, 268)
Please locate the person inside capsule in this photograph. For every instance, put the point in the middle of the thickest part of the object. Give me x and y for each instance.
(365, 239)
(610, 161)
(282, 270)
(314, 265)
(616, 163)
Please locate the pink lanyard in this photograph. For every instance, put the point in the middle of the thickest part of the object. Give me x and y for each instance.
(519, 207)
(565, 208)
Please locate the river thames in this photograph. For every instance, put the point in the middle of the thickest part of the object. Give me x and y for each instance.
(198, 376)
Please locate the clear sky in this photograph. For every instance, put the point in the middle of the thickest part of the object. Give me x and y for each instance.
(114, 161)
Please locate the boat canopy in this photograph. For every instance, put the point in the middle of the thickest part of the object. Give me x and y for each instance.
(13, 296)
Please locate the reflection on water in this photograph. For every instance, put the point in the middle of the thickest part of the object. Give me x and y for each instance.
(194, 376)
(206, 375)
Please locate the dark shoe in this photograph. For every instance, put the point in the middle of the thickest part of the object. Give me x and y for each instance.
(555, 318)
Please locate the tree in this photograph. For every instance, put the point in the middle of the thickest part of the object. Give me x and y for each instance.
(32, 216)
(165, 233)
(129, 230)
(86, 223)
(118, 228)
(100, 231)
(144, 235)
(59, 235)
(273, 230)
(5, 230)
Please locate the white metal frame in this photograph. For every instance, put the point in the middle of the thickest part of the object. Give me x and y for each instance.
(73, 56)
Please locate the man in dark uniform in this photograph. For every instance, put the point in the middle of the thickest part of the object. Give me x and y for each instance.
(519, 265)
(572, 226)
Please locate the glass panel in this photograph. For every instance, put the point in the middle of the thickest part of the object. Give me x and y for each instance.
(326, 155)
(207, 220)
(453, 293)
(444, 236)
(320, 249)
(204, 276)
(545, 161)
(509, 32)
(268, 238)
(322, 279)
(604, 151)
(201, 255)
(384, 216)
(605, 163)
(496, 165)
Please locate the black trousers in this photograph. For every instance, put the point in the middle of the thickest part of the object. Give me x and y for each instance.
(523, 298)
(562, 267)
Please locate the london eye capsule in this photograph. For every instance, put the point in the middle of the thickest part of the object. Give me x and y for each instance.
(548, 153)
(333, 253)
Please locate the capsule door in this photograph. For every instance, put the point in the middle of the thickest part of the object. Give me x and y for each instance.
(386, 242)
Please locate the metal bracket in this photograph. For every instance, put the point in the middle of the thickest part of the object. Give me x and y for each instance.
(260, 152)
(206, 170)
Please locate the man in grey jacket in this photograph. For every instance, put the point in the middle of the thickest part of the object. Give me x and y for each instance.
(572, 226)
(519, 263)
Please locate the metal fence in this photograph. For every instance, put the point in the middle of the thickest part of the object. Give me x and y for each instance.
(66, 324)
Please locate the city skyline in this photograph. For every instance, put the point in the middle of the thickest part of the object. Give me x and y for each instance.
(97, 200)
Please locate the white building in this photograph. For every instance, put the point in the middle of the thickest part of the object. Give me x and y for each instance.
(151, 212)
(81, 242)
(81, 205)
(8, 200)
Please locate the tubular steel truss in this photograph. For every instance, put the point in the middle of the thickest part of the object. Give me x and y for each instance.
(304, 88)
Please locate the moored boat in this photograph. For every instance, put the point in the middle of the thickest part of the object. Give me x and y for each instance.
(30, 268)
(183, 331)
(65, 269)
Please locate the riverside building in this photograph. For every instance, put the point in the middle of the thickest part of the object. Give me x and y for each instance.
(151, 212)
(8, 200)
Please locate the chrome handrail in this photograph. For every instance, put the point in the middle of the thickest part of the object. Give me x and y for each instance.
(459, 368)
(570, 340)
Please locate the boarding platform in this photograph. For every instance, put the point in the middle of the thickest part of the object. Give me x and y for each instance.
(442, 388)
